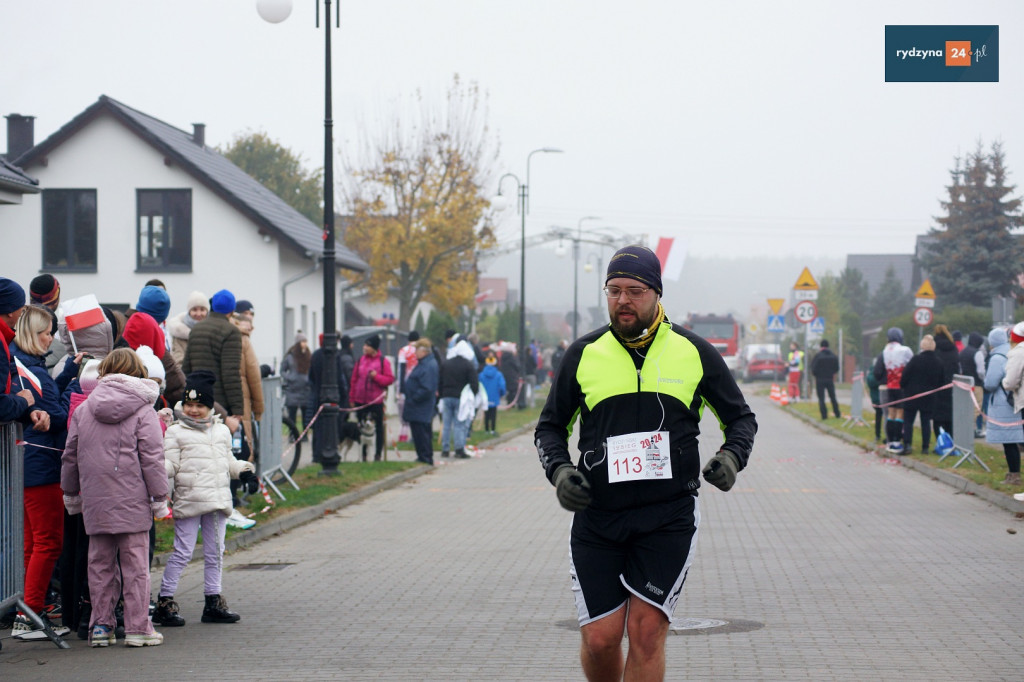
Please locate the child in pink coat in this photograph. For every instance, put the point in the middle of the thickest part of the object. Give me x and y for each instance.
(113, 473)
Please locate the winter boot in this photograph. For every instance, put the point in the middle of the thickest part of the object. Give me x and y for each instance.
(85, 615)
(166, 613)
(216, 611)
(1012, 478)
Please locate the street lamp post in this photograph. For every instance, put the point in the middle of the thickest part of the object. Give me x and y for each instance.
(524, 207)
(587, 267)
(576, 274)
(275, 11)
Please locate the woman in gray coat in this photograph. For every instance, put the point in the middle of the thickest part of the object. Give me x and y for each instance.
(1000, 407)
(295, 379)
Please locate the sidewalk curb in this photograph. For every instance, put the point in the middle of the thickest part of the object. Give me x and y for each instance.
(961, 484)
(300, 517)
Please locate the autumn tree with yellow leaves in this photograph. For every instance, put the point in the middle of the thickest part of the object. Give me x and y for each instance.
(418, 204)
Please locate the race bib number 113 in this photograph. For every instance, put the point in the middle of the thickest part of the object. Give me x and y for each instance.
(639, 457)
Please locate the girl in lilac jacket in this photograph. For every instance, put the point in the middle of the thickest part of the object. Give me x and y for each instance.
(113, 474)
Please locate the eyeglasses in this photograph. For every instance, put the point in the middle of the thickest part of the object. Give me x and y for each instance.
(634, 293)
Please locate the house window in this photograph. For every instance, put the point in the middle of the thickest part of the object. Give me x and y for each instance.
(69, 230)
(164, 229)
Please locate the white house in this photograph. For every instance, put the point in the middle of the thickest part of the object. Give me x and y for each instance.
(127, 198)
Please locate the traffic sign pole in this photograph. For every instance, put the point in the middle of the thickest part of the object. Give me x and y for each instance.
(805, 292)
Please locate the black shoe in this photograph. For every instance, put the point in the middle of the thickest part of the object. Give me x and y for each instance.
(461, 454)
(84, 616)
(445, 453)
(216, 611)
(166, 613)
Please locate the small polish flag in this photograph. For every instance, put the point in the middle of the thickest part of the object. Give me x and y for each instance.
(25, 375)
(82, 312)
(672, 254)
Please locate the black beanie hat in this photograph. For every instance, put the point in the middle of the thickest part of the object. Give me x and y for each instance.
(199, 387)
(44, 290)
(636, 262)
(373, 341)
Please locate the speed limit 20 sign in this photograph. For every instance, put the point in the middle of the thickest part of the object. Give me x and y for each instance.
(805, 311)
(922, 317)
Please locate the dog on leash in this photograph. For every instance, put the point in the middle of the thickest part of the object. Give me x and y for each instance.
(362, 433)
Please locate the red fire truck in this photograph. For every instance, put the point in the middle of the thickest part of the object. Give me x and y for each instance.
(721, 331)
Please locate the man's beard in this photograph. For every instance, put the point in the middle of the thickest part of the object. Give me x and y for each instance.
(637, 328)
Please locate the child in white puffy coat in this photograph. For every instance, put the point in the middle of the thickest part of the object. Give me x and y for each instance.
(198, 458)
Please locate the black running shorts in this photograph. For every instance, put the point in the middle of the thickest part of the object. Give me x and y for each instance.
(645, 552)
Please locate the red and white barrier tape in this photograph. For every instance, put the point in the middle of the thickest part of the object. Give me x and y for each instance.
(962, 386)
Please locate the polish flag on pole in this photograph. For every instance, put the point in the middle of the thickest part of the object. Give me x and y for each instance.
(672, 254)
(82, 312)
(25, 375)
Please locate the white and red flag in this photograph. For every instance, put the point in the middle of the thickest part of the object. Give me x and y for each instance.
(672, 254)
(82, 312)
(25, 375)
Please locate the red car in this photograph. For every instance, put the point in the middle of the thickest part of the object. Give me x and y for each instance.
(763, 361)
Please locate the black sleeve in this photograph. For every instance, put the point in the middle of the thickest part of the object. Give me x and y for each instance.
(560, 410)
(722, 394)
(879, 370)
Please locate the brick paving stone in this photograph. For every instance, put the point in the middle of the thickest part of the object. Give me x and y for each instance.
(825, 562)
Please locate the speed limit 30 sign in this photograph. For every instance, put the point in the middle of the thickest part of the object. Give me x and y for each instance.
(922, 317)
(805, 311)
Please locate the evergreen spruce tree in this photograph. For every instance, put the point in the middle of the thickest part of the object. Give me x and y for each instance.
(975, 255)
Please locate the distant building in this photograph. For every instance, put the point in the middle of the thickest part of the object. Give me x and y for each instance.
(874, 267)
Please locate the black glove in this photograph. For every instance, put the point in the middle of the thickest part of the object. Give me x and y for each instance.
(721, 470)
(572, 489)
(250, 481)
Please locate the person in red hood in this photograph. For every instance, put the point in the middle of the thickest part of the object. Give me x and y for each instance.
(142, 329)
(368, 389)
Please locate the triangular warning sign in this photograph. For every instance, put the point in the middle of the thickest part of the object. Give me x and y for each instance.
(776, 304)
(926, 290)
(806, 281)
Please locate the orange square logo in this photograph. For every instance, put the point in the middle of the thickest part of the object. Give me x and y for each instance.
(958, 53)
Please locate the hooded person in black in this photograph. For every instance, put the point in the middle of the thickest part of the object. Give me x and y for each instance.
(921, 375)
(824, 367)
(949, 357)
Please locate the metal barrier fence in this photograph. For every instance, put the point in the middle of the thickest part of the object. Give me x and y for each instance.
(963, 422)
(12, 537)
(271, 439)
(856, 401)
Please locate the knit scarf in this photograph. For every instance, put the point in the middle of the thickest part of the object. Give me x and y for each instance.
(652, 329)
(197, 424)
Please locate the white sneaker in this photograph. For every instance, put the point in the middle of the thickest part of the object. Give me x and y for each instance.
(152, 639)
(238, 521)
(1019, 497)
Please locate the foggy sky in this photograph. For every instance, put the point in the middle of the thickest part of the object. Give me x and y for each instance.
(744, 128)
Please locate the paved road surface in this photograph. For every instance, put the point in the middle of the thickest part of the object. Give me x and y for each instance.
(824, 563)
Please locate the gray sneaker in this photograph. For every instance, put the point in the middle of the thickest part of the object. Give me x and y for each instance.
(25, 630)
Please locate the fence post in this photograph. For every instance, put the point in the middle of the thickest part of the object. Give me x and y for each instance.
(963, 421)
(12, 537)
(271, 441)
